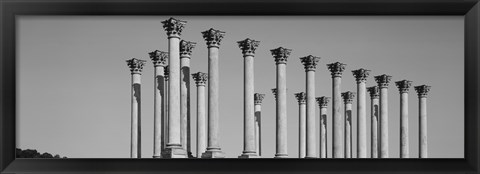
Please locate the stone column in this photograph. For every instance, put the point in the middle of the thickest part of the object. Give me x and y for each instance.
(201, 79)
(213, 38)
(186, 49)
(301, 97)
(361, 76)
(403, 87)
(336, 70)
(323, 102)
(165, 105)
(281, 54)
(159, 60)
(348, 99)
(422, 92)
(248, 47)
(136, 67)
(174, 148)
(258, 122)
(310, 63)
(374, 95)
(383, 81)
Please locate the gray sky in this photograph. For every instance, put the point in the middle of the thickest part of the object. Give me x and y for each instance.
(73, 84)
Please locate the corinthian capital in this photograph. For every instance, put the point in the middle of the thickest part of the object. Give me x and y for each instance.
(136, 65)
(281, 54)
(274, 91)
(173, 27)
(348, 97)
(323, 101)
(200, 78)
(166, 72)
(258, 98)
(301, 97)
(186, 48)
(374, 92)
(383, 80)
(361, 75)
(159, 58)
(310, 62)
(404, 86)
(422, 90)
(213, 37)
(248, 46)
(336, 69)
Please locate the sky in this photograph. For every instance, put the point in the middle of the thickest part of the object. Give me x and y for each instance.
(73, 84)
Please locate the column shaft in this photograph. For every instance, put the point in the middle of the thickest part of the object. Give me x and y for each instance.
(383, 122)
(323, 132)
(302, 130)
(201, 121)
(185, 103)
(404, 149)
(213, 91)
(258, 129)
(166, 113)
(281, 145)
(348, 130)
(174, 93)
(374, 127)
(337, 119)
(158, 114)
(310, 117)
(361, 121)
(135, 146)
(248, 106)
(423, 151)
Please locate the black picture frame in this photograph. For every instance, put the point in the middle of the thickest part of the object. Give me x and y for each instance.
(9, 9)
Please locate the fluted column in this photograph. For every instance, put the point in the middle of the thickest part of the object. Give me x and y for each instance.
(174, 149)
(301, 98)
(201, 79)
(374, 95)
(159, 60)
(281, 54)
(323, 103)
(136, 67)
(248, 47)
(258, 122)
(213, 38)
(336, 70)
(310, 63)
(383, 81)
(361, 76)
(422, 92)
(404, 87)
(348, 99)
(186, 49)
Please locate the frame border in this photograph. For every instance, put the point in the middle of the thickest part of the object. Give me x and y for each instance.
(470, 9)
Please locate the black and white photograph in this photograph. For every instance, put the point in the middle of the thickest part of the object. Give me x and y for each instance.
(200, 87)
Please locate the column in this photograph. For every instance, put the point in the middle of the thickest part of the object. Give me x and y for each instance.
(361, 76)
(383, 81)
(136, 67)
(258, 122)
(159, 60)
(248, 47)
(174, 148)
(301, 98)
(348, 99)
(281, 54)
(323, 103)
(201, 79)
(213, 38)
(310, 63)
(374, 96)
(403, 87)
(186, 49)
(165, 105)
(422, 92)
(336, 70)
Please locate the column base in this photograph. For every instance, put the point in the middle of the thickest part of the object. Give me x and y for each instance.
(190, 155)
(248, 155)
(174, 152)
(281, 156)
(157, 156)
(310, 157)
(214, 153)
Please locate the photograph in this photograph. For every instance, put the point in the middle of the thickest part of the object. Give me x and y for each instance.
(219, 86)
